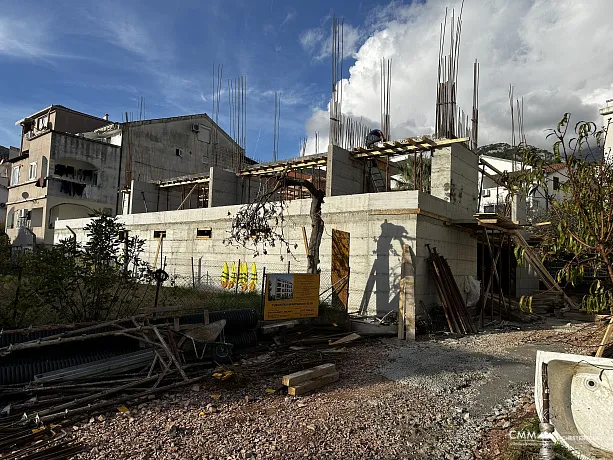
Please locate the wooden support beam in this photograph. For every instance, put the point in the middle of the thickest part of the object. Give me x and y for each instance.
(406, 146)
(429, 141)
(605, 339)
(311, 385)
(308, 374)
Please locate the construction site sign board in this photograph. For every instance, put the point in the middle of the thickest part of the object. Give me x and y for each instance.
(291, 296)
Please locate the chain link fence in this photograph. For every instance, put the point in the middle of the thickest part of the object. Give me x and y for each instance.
(215, 288)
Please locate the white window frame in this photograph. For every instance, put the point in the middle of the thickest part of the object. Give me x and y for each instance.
(15, 175)
(42, 123)
(30, 175)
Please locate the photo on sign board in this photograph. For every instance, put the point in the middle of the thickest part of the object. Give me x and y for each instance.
(280, 287)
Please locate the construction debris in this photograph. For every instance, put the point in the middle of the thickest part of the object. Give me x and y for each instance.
(317, 377)
(456, 313)
(161, 354)
(348, 338)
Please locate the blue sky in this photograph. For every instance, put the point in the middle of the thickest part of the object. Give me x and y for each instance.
(100, 57)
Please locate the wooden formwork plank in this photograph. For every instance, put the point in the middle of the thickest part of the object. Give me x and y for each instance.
(314, 384)
(308, 374)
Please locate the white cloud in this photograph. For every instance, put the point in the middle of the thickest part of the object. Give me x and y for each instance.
(318, 41)
(553, 51)
(289, 17)
(28, 37)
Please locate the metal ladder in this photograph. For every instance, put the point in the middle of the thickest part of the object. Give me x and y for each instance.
(376, 177)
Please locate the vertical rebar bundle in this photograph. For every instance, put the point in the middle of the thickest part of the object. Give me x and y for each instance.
(237, 97)
(517, 113)
(386, 85)
(451, 121)
(353, 133)
(475, 120)
(217, 82)
(336, 100)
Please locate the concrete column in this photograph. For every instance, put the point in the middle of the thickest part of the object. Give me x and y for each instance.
(344, 174)
(455, 177)
(518, 210)
(224, 187)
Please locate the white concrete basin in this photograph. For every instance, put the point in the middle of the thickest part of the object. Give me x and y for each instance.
(580, 401)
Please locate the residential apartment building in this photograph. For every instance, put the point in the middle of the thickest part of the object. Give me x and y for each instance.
(71, 164)
(284, 289)
(494, 196)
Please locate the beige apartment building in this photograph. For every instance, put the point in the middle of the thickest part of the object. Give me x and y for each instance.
(71, 164)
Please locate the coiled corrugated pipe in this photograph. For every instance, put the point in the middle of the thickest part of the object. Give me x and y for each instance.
(244, 339)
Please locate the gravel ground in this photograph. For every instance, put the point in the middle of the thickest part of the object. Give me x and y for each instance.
(433, 399)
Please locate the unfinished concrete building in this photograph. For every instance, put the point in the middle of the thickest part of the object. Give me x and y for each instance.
(380, 222)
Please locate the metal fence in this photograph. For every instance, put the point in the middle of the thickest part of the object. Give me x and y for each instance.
(212, 290)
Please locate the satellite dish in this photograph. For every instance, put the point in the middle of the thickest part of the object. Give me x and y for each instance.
(25, 195)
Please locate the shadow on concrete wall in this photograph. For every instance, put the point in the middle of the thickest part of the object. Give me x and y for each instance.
(379, 277)
(24, 238)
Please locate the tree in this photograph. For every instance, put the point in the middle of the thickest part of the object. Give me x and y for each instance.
(508, 152)
(101, 279)
(260, 225)
(410, 176)
(580, 233)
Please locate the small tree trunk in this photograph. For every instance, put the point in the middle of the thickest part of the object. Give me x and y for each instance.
(317, 231)
(317, 223)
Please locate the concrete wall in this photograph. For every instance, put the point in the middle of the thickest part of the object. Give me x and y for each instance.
(79, 151)
(526, 280)
(454, 177)
(153, 145)
(74, 122)
(147, 197)
(224, 187)
(379, 225)
(345, 175)
(5, 169)
(458, 247)
(377, 235)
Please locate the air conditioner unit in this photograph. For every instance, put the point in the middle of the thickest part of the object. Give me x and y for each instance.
(23, 213)
(196, 128)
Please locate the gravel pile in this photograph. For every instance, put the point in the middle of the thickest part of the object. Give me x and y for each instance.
(394, 400)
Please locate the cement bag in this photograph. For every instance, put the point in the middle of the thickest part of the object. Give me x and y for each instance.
(472, 288)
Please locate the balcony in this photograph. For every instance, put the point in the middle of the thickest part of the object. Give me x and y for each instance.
(73, 188)
(81, 173)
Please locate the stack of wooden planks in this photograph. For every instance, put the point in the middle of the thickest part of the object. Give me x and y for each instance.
(311, 379)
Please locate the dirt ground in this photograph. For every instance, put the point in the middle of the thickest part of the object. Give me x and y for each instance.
(437, 398)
